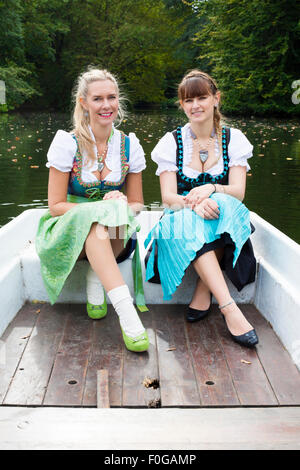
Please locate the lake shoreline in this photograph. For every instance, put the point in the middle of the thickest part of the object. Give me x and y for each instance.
(272, 181)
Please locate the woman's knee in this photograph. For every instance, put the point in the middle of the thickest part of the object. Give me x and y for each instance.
(99, 231)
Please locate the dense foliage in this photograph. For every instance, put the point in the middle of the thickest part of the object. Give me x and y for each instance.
(253, 50)
(251, 47)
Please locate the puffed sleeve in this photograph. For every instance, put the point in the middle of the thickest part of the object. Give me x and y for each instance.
(137, 160)
(239, 149)
(62, 151)
(164, 154)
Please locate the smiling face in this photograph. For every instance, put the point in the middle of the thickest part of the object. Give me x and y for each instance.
(198, 98)
(199, 108)
(101, 102)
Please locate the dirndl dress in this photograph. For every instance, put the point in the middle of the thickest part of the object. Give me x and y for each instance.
(181, 236)
(60, 240)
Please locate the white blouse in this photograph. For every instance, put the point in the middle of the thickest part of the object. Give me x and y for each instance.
(164, 153)
(63, 148)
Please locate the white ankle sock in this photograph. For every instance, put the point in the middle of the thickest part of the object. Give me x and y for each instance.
(123, 304)
(94, 289)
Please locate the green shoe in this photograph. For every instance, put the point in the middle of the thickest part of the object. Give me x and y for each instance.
(97, 311)
(138, 344)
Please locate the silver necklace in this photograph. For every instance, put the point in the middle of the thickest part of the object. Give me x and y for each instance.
(100, 158)
(202, 149)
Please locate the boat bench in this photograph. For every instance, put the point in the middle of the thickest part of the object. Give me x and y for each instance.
(275, 292)
(74, 290)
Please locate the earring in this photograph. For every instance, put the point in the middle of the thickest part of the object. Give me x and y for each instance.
(86, 113)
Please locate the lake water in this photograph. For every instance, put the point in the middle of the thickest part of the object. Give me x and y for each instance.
(272, 184)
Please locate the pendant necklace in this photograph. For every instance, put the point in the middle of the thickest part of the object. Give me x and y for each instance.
(202, 149)
(100, 158)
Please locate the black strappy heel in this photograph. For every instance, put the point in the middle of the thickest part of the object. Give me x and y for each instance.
(249, 339)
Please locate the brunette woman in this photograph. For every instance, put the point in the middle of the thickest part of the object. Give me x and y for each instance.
(202, 168)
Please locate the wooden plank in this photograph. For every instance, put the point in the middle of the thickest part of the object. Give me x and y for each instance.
(31, 378)
(211, 369)
(102, 389)
(249, 378)
(14, 341)
(140, 376)
(177, 379)
(187, 356)
(192, 429)
(66, 384)
(282, 373)
(107, 353)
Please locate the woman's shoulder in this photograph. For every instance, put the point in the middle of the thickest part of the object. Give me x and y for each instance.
(62, 151)
(236, 133)
(239, 145)
(133, 139)
(164, 153)
(63, 137)
(166, 140)
(137, 162)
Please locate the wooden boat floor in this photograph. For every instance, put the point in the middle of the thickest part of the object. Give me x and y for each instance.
(57, 356)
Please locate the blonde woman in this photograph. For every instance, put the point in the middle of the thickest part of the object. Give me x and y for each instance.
(202, 168)
(89, 213)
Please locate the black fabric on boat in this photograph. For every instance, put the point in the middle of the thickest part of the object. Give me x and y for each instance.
(244, 271)
(129, 248)
(155, 279)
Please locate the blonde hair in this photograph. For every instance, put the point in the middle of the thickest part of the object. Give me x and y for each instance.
(197, 83)
(80, 117)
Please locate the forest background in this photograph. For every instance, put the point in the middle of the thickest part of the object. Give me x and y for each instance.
(251, 47)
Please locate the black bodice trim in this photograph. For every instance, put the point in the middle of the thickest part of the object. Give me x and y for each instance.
(184, 183)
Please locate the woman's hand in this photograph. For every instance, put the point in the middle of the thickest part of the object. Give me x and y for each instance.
(197, 195)
(207, 209)
(115, 195)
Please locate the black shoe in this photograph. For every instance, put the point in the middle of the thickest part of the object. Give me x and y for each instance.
(249, 339)
(193, 314)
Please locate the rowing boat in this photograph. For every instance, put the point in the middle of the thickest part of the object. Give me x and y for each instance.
(275, 293)
(274, 297)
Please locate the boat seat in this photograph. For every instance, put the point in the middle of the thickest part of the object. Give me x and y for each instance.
(275, 292)
(74, 290)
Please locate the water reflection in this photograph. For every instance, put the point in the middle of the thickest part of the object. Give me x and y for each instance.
(272, 183)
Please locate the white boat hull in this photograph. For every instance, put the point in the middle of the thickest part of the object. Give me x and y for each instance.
(274, 293)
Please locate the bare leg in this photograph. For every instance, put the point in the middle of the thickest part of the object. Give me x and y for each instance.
(208, 269)
(102, 259)
(117, 244)
(99, 251)
(201, 296)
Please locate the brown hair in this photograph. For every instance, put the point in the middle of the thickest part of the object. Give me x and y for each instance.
(197, 83)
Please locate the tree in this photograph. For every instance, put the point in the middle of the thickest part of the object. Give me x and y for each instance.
(48, 43)
(133, 39)
(253, 51)
(13, 70)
